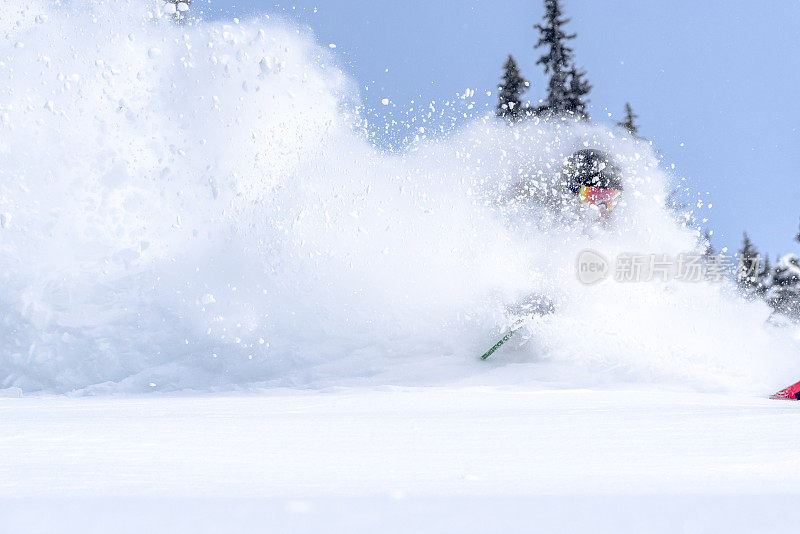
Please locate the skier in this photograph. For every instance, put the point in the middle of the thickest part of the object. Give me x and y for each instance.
(588, 177)
(587, 181)
(592, 176)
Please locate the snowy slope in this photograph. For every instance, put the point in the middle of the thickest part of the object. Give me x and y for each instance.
(401, 460)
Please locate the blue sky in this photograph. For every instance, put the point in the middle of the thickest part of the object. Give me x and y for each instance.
(715, 83)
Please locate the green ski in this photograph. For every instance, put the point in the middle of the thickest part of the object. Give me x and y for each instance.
(499, 343)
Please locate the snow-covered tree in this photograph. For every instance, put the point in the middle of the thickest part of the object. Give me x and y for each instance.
(675, 203)
(577, 90)
(784, 293)
(749, 266)
(708, 248)
(557, 58)
(179, 9)
(797, 237)
(511, 89)
(629, 123)
(764, 278)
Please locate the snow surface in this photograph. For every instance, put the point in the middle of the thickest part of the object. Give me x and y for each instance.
(401, 460)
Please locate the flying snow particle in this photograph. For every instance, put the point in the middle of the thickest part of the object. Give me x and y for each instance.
(385, 101)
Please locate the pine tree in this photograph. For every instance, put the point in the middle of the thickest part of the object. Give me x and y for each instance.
(181, 9)
(630, 121)
(797, 237)
(708, 248)
(558, 57)
(749, 266)
(764, 278)
(784, 294)
(576, 91)
(512, 87)
(676, 204)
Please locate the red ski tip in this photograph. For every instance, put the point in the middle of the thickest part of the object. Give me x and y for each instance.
(791, 393)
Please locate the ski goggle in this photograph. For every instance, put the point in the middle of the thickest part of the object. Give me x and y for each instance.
(599, 195)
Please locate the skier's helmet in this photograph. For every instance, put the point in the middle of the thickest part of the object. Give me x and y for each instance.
(593, 177)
